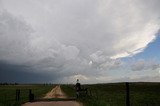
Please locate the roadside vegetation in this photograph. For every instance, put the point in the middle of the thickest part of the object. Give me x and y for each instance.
(113, 94)
(141, 94)
(8, 93)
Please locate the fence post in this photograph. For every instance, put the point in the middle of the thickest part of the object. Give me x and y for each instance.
(17, 94)
(31, 96)
(30, 92)
(127, 94)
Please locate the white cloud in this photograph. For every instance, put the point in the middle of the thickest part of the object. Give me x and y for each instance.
(82, 36)
(98, 59)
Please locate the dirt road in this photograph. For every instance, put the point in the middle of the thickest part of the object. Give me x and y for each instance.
(57, 103)
(56, 92)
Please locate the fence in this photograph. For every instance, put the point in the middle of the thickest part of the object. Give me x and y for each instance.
(126, 94)
(16, 99)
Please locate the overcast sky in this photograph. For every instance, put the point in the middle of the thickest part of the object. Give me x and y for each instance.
(96, 41)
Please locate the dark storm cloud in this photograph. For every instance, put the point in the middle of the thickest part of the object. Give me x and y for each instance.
(22, 74)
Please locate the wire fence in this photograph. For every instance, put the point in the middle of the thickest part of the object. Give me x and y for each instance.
(126, 94)
(17, 98)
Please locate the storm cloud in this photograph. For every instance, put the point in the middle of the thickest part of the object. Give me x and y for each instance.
(75, 38)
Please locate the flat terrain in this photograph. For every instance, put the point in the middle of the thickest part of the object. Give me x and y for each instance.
(8, 93)
(113, 94)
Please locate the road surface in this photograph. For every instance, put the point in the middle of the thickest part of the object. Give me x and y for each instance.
(56, 92)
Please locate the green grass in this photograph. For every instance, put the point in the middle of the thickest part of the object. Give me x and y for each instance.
(141, 94)
(69, 90)
(8, 93)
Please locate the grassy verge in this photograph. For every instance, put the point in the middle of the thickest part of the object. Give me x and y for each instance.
(8, 93)
(87, 101)
(69, 90)
(141, 94)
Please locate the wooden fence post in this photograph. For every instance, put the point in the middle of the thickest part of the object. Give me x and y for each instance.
(127, 94)
(31, 96)
(30, 92)
(17, 94)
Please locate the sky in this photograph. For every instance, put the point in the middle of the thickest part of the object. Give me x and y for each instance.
(96, 41)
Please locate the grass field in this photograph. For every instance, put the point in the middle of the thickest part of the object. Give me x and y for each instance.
(141, 94)
(8, 93)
